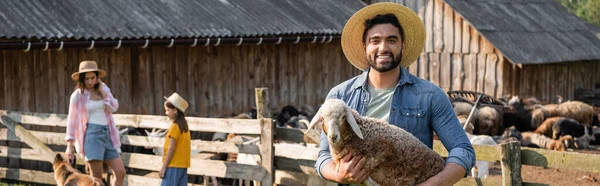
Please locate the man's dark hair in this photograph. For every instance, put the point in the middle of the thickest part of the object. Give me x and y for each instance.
(383, 19)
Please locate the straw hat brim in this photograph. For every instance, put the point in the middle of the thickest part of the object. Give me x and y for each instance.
(178, 104)
(101, 73)
(352, 35)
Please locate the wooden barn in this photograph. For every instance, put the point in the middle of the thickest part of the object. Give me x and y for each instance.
(506, 47)
(213, 52)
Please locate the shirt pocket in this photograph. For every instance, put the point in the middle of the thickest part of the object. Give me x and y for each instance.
(413, 120)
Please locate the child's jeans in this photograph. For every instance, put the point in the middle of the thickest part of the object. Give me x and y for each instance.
(175, 176)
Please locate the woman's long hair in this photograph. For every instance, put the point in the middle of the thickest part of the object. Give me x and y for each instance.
(81, 82)
(179, 118)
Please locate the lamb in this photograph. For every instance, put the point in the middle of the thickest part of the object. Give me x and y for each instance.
(394, 156)
(487, 122)
(541, 141)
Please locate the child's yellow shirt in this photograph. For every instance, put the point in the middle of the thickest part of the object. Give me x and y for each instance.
(181, 156)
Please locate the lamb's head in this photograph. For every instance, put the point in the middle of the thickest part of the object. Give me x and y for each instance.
(336, 119)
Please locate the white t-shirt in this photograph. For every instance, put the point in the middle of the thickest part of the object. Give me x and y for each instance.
(96, 113)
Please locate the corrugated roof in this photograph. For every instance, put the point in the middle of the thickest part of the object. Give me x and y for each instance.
(531, 31)
(153, 19)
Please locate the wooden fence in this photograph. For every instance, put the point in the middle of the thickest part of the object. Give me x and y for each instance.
(290, 165)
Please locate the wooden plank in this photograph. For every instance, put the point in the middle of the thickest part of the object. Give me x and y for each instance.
(466, 37)
(27, 84)
(560, 160)
(241, 126)
(448, 29)
(32, 176)
(434, 68)
(457, 33)
(289, 134)
(266, 135)
(481, 63)
(474, 40)
(54, 138)
(486, 46)
(143, 81)
(482, 152)
(445, 71)
(414, 68)
(424, 66)
(44, 153)
(293, 67)
(182, 75)
(11, 69)
(502, 66)
(490, 75)
(438, 13)
(220, 169)
(458, 72)
(429, 27)
(511, 163)
(470, 65)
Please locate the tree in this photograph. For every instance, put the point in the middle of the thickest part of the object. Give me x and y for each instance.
(588, 10)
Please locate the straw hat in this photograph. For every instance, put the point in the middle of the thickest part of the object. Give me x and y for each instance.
(352, 35)
(88, 66)
(178, 102)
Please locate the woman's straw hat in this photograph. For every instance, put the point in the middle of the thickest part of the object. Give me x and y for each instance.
(88, 66)
(178, 102)
(352, 35)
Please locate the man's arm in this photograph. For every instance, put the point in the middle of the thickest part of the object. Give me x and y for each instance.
(461, 156)
(350, 169)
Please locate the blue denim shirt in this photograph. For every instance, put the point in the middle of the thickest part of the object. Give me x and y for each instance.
(418, 106)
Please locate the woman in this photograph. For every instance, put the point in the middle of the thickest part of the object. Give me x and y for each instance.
(91, 128)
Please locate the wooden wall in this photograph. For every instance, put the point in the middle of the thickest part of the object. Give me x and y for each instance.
(546, 81)
(216, 81)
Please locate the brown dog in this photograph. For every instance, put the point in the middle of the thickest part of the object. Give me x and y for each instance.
(65, 175)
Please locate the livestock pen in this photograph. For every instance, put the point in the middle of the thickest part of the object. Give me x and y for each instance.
(290, 165)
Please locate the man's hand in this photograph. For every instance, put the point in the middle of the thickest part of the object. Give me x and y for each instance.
(351, 169)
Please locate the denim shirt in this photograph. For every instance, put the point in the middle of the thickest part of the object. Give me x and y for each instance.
(418, 106)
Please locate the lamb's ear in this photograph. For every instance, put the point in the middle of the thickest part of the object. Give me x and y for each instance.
(317, 119)
(352, 122)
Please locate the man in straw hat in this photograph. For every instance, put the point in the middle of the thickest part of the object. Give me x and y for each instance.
(383, 39)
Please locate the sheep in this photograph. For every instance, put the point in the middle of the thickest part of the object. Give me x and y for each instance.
(462, 108)
(541, 141)
(487, 122)
(576, 110)
(539, 114)
(394, 156)
(523, 116)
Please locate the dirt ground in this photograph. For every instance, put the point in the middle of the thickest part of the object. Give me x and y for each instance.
(552, 176)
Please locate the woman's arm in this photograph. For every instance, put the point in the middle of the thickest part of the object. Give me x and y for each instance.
(111, 102)
(170, 152)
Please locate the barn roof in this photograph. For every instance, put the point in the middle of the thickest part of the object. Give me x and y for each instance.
(154, 19)
(532, 31)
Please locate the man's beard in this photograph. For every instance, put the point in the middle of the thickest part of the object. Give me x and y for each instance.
(386, 66)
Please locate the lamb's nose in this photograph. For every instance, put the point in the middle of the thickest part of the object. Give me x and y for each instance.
(334, 137)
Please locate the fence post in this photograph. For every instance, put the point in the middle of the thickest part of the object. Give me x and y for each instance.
(511, 163)
(266, 135)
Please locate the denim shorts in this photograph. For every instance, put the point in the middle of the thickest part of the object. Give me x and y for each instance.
(175, 176)
(97, 143)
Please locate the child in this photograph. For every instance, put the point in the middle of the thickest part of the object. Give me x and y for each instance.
(177, 143)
